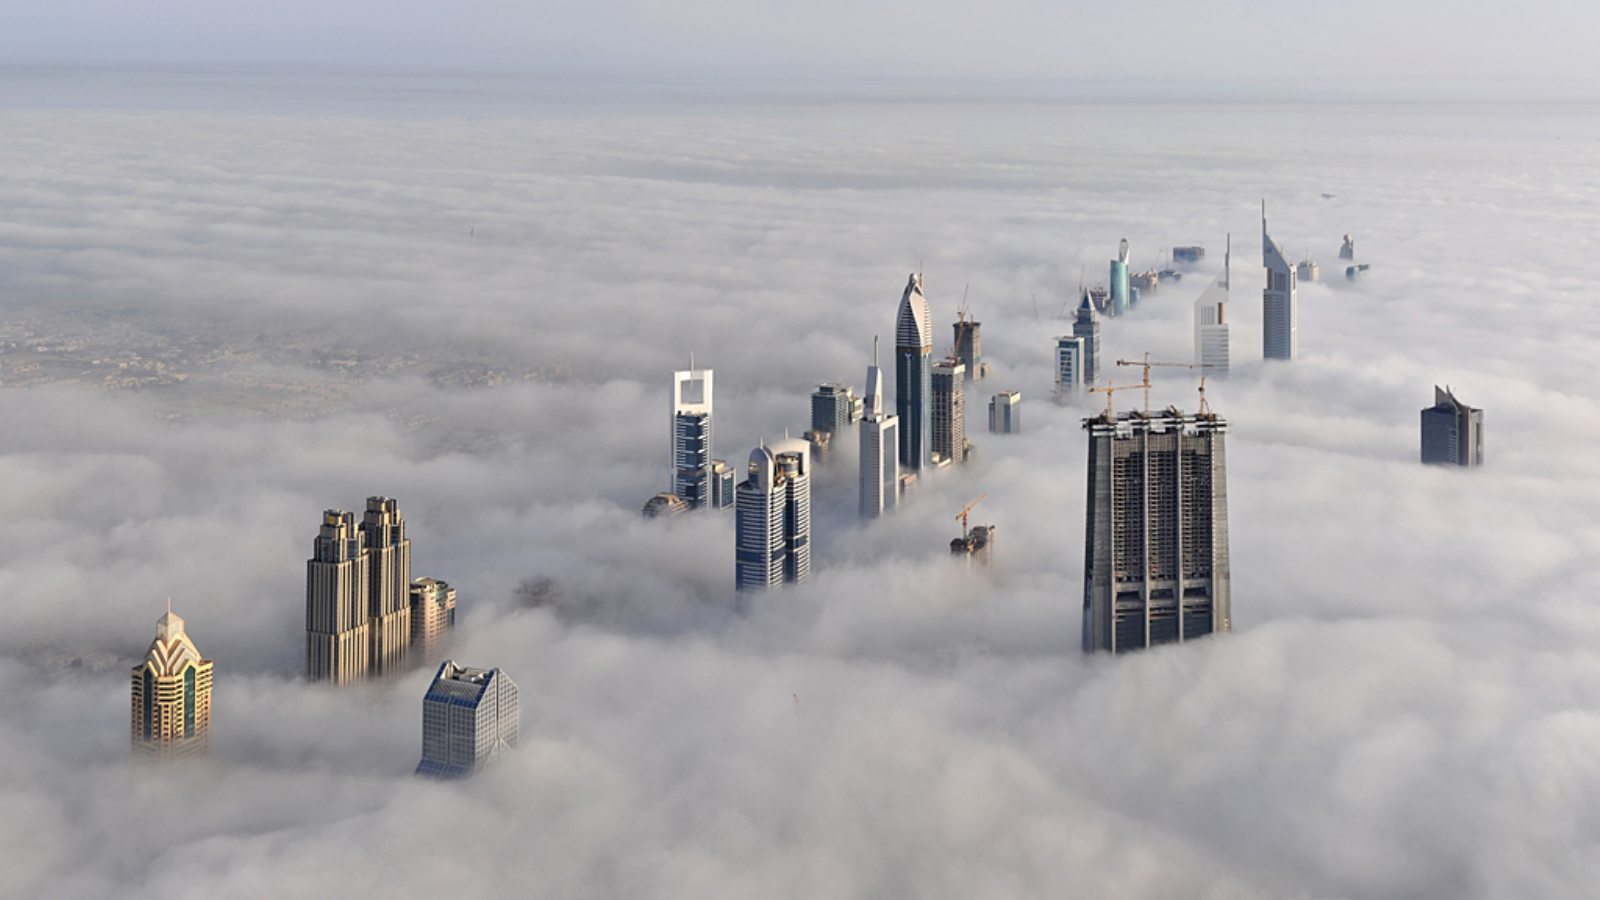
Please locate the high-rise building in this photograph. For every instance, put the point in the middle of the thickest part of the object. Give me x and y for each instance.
(1156, 549)
(834, 406)
(338, 580)
(913, 339)
(664, 506)
(1087, 326)
(433, 615)
(721, 484)
(1306, 271)
(1211, 320)
(1452, 432)
(880, 455)
(171, 716)
(969, 349)
(949, 412)
(1279, 301)
(1188, 255)
(1120, 298)
(977, 545)
(773, 517)
(692, 435)
(383, 532)
(469, 717)
(1070, 366)
(1347, 250)
(1005, 413)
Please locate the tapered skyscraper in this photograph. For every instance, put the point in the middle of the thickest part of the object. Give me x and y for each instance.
(1156, 548)
(1120, 295)
(1279, 301)
(1211, 321)
(880, 453)
(383, 532)
(171, 715)
(1087, 326)
(692, 435)
(337, 584)
(773, 517)
(913, 371)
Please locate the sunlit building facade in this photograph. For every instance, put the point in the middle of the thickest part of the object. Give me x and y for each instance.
(433, 615)
(773, 517)
(913, 369)
(1280, 338)
(171, 714)
(880, 454)
(383, 532)
(338, 580)
(469, 717)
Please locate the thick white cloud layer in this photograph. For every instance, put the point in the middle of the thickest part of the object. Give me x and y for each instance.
(1409, 704)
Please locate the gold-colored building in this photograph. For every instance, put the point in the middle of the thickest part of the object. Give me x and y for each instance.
(171, 713)
(433, 614)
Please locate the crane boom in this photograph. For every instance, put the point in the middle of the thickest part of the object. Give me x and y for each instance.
(966, 510)
(1146, 364)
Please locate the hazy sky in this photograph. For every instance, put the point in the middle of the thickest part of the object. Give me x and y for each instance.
(1473, 41)
(1409, 703)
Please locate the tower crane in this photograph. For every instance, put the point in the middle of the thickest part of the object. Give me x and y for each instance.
(1146, 363)
(965, 510)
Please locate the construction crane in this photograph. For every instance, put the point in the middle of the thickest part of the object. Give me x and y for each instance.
(1147, 363)
(968, 509)
(1110, 391)
(964, 312)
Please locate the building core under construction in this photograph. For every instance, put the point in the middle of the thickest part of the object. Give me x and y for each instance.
(1156, 546)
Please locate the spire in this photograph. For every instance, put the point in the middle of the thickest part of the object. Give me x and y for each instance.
(1227, 263)
(874, 351)
(691, 360)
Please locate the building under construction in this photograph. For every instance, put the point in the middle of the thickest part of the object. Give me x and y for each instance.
(977, 546)
(1156, 546)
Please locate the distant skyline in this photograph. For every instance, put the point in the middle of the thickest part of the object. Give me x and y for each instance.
(1489, 44)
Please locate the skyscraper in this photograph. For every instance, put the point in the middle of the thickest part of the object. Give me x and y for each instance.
(1005, 413)
(383, 531)
(1156, 549)
(721, 484)
(1120, 299)
(880, 457)
(469, 717)
(1087, 326)
(433, 615)
(1211, 320)
(171, 716)
(1452, 432)
(692, 435)
(773, 517)
(1279, 301)
(337, 584)
(913, 337)
(949, 412)
(833, 407)
(969, 349)
(1070, 366)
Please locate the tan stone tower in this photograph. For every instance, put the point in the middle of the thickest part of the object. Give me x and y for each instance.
(389, 579)
(171, 714)
(337, 585)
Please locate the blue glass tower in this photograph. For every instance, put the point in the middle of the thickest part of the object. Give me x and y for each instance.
(913, 370)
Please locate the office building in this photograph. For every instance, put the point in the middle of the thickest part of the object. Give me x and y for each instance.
(773, 517)
(833, 407)
(1279, 301)
(949, 412)
(692, 435)
(1087, 326)
(1188, 255)
(1347, 250)
(433, 615)
(1120, 299)
(969, 349)
(1156, 549)
(1070, 366)
(171, 712)
(338, 579)
(664, 506)
(721, 484)
(1307, 271)
(1005, 413)
(383, 532)
(880, 452)
(1452, 432)
(469, 717)
(913, 370)
(1211, 321)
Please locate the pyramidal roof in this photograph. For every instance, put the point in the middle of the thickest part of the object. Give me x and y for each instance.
(172, 649)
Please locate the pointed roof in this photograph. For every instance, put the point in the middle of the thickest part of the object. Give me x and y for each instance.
(1086, 310)
(913, 328)
(172, 649)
